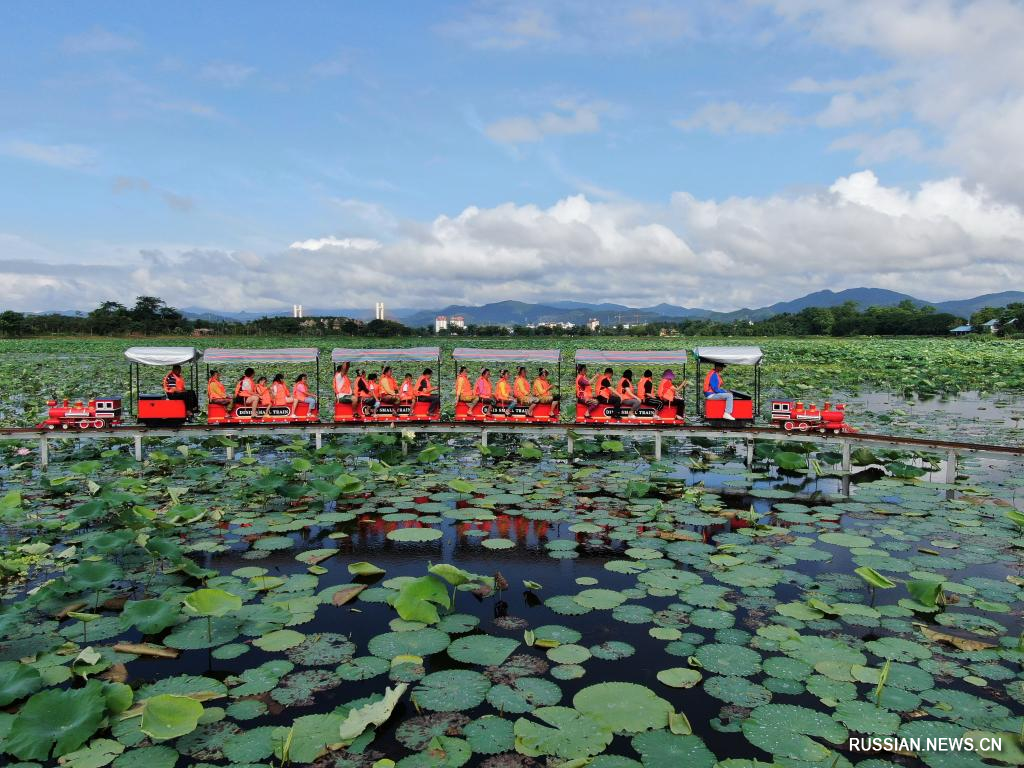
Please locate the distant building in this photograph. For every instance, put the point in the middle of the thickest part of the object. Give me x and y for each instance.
(962, 330)
(297, 311)
(440, 323)
(203, 332)
(593, 324)
(378, 310)
(457, 321)
(992, 326)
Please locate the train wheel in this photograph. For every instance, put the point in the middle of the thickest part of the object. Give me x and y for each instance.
(84, 424)
(788, 426)
(98, 423)
(51, 427)
(804, 426)
(65, 425)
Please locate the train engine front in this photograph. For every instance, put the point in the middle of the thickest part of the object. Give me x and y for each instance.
(98, 413)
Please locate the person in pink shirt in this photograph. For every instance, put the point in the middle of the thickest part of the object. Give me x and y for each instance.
(300, 393)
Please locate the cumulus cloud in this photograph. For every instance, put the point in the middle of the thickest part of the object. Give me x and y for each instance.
(943, 239)
(568, 117)
(956, 68)
(731, 117)
(69, 156)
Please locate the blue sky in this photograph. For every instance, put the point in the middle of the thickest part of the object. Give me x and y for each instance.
(195, 149)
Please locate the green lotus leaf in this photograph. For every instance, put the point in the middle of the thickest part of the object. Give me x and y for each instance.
(925, 592)
(169, 716)
(562, 732)
(623, 707)
(98, 753)
(663, 748)
(375, 713)
(279, 640)
(490, 735)
(679, 677)
(418, 599)
(93, 575)
(725, 659)
(865, 717)
(785, 731)
(874, 578)
(451, 690)
(599, 599)
(414, 534)
(482, 649)
(17, 681)
(57, 721)
(417, 642)
(364, 569)
(212, 602)
(524, 694)
(150, 616)
(159, 756)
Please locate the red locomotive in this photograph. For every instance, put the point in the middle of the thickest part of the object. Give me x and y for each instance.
(99, 413)
(807, 417)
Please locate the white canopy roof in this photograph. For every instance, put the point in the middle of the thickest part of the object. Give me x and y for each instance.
(161, 355)
(730, 355)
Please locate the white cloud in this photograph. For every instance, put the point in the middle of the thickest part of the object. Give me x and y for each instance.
(944, 239)
(99, 40)
(731, 117)
(227, 74)
(955, 68)
(69, 156)
(568, 118)
(899, 143)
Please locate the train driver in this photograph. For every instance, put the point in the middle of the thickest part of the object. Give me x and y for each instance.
(174, 388)
(215, 392)
(713, 390)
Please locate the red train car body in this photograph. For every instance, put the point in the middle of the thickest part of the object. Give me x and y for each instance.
(98, 413)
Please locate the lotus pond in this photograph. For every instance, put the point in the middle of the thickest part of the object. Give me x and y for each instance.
(351, 607)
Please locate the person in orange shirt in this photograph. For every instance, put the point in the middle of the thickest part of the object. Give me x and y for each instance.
(215, 391)
(626, 391)
(406, 393)
(342, 384)
(667, 392)
(645, 390)
(245, 390)
(302, 394)
(463, 388)
(388, 388)
(541, 390)
(279, 394)
(174, 388)
(603, 389)
(521, 388)
(585, 390)
(425, 392)
(263, 392)
(503, 391)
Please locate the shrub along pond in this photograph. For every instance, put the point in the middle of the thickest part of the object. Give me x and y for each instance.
(346, 607)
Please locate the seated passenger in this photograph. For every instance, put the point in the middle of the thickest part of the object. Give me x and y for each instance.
(263, 392)
(482, 389)
(406, 392)
(463, 389)
(215, 392)
(585, 390)
(342, 384)
(372, 397)
(302, 395)
(667, 393)
(521, 390)
(174, 388)
(645, 391)
(279, 394)
(388, 394)
(627, 395)
(713, 390)
(603, 388)
(503, 391)
(425, 392)
(541, 390)
(245, 391)
(362, 389)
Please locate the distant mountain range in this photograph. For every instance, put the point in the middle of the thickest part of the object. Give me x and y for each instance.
(521, 313)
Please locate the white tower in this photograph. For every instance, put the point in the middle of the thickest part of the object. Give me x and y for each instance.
(378, 310)
(297, 311)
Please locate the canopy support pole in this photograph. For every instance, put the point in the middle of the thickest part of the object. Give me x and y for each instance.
(951, 467)
(657, 446)
(138, 447)
(44, 452)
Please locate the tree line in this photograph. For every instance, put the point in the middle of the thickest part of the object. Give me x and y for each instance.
(152, 316)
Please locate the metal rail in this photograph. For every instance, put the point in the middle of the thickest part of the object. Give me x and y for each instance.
(568, 431)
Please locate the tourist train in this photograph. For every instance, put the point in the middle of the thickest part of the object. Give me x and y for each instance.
(611, 388)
